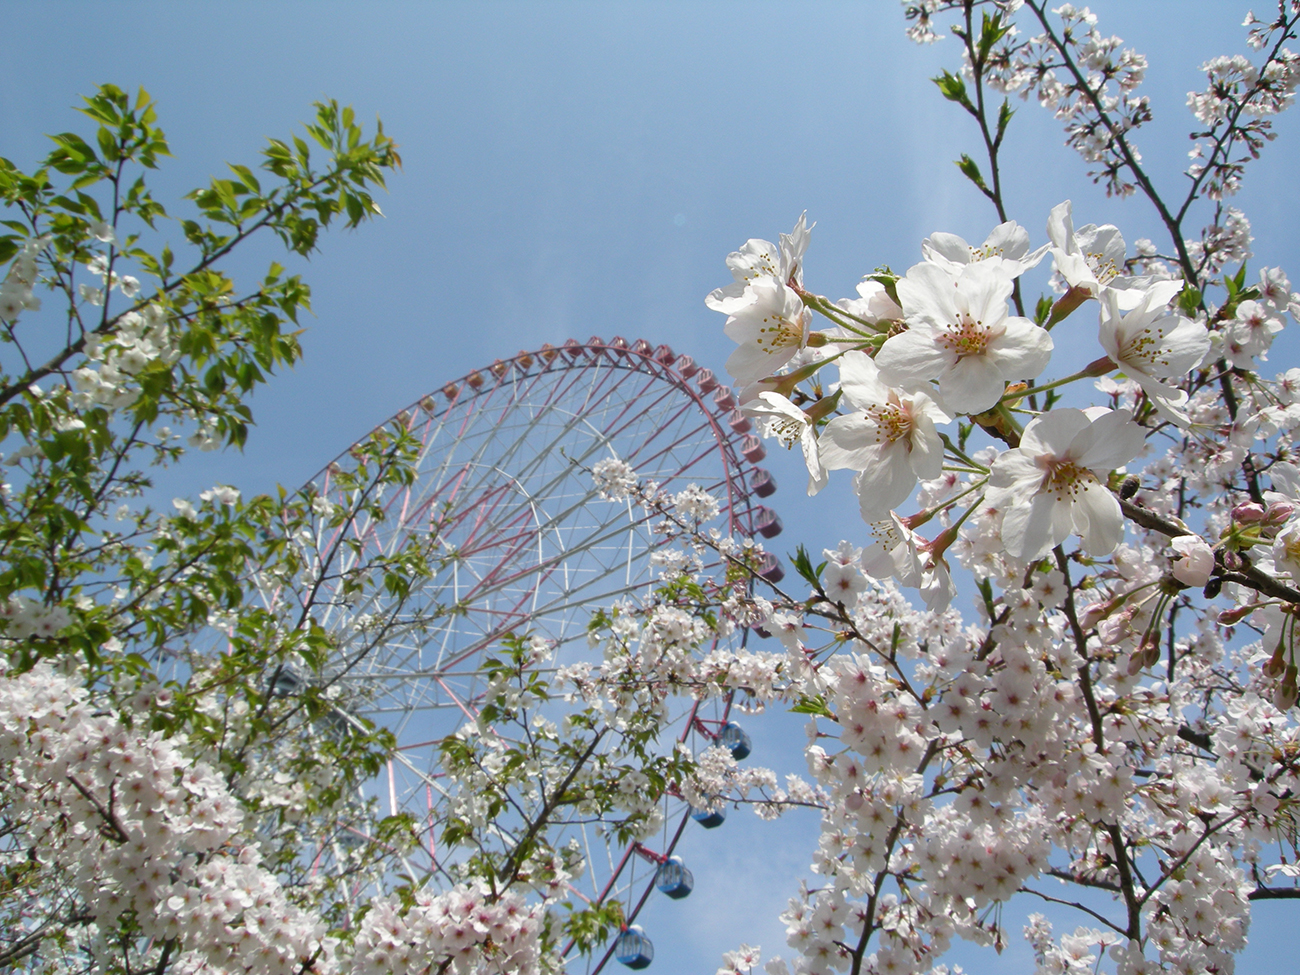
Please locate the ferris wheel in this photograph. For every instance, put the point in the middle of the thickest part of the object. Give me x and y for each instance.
(502, 478)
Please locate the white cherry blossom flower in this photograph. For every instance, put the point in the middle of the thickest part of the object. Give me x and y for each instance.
(1195, 560)
(759, 259)
(873, 305)
(1055, 481)
(222, 494)
(1286, 548)
(937, 587)
(614, 478)
(1274, 288)
(1250, 335)
(1006, 248)
(1089, 258)
(780, 418)
(894, 551)
(890, 438)
(1150, 343)
(743, 959)
(103, 231)
(770, 329)
(843, 583)
(959, 334)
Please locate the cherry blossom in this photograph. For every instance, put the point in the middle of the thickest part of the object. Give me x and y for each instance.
(1151, 343)
(894, 551)
(1006, 248)
(771, 325)
(890, 438)
(1250, 334)
(1055, 481)
(873, 306)
(759, 259)
(960, 335)
(1088, 259)
(1195, 561)
(780, 418)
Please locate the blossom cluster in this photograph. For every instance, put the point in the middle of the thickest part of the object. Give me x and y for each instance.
(1118, 713)
(17, 290)
(942, 342)
(463, 930)
(144, 835)
(107, 378)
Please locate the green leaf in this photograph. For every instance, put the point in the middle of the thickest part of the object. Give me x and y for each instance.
(107, 144)
(971, 171)
(246, 174)
(89, 205)
(803, 565)
(1239, 280)
(73, 155)
(1189, 300)
(992, 30)
(813, 705)
(1004, 118)
(356, 209)
(953, 88)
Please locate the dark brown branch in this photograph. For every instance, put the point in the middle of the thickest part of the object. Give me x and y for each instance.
(1274, 894)
(1246, 575)
(1082, 881)
(111, 825)
(510, 872)
(1075, 904)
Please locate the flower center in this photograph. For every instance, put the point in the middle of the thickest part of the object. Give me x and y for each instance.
(1102, 268)
(1145, 347)
(885, 533)
(893, 423)
(1064, 478)
(966, 336)
(779, 333)
(786, 429)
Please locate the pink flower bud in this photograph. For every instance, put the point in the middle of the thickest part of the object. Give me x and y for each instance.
(1094, 613)
(1231, 617)
(853, 801)
(1278, 512)
(1113, 630)
(1247, 513)
(1276, 665)
(1284, 696)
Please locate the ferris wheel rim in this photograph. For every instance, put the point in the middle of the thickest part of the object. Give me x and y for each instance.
(657, 362)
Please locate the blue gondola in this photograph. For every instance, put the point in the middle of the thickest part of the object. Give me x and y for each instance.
(709, 819)
(286, 682)
(673, 879)
(633, 948)
(733, 736)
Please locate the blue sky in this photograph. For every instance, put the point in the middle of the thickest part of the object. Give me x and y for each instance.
(577, 169)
